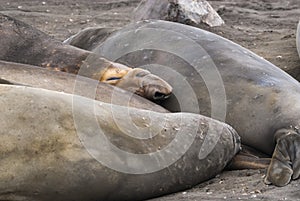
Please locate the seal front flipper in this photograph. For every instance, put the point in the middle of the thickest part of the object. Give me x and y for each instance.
(285, 163)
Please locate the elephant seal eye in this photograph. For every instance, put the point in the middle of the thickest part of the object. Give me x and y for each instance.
(113, 78)
(141, 74)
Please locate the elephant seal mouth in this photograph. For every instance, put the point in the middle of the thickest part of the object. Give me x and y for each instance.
(154, 87)
(160, 96)
(156, 92)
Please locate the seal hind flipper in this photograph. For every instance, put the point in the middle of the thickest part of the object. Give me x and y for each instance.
(242, 161)
(249, 158)
(285, 163)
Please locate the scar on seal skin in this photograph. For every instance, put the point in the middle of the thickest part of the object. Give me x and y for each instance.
(22, 43)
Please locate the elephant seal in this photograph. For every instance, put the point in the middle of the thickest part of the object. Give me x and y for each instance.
(298, 38)
(86, 39)
(226, 81)
(66, 147)
(22, 43)
(27, 75)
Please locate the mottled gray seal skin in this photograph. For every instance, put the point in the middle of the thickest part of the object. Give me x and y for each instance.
(44, 158)
(27, 75)
(21, 43)
(298, 38)
(261, 101)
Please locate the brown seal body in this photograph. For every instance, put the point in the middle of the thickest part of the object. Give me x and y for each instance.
(65, 147)
(221, 79)
(22, 43)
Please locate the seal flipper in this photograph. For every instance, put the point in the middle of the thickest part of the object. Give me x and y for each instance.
(249, 158)
(285, 163)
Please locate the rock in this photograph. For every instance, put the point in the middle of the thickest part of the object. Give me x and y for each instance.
(192, 12)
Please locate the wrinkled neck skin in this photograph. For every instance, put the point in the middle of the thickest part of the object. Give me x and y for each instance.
(24, 44)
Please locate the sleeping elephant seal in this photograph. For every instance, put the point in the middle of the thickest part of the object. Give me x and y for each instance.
(65, 147)
(221, 79)
(22, 43)
(26, 75)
